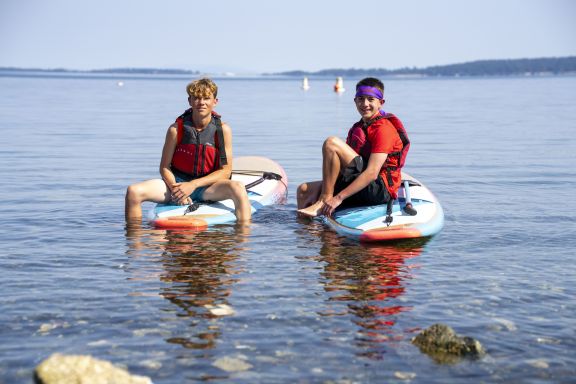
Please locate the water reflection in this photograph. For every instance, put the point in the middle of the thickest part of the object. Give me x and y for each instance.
(369, 280)
(197, 273)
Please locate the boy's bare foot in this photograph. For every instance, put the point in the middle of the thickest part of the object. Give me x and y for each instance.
(313, 210)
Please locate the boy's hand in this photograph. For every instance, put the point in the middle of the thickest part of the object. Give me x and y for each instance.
(181, 192)
(330, 205)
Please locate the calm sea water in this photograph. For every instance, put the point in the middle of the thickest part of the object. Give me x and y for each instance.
(309, 307)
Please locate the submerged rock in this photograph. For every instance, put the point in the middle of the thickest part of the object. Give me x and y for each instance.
(72, 369)
(405, 375)
(232, 364)
(443, 345)
(220, 309)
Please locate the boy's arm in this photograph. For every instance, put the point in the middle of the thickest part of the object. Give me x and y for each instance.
(371, 173)
(167, 153)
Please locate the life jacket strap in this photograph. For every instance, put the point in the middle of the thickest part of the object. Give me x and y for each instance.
(220, 140)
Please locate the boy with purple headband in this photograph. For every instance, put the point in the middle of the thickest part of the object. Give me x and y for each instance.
(359, 171)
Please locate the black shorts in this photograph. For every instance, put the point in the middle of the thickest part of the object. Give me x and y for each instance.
(373, 194)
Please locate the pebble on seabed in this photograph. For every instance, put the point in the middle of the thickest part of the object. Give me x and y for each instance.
(220, 309)
(539, 363)
(507, 324)
(232, 364)
(404, 375)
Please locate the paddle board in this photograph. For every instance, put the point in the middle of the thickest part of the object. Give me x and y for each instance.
(266, 183)
(369, 224)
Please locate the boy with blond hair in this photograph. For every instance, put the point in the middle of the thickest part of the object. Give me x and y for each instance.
(196, 162)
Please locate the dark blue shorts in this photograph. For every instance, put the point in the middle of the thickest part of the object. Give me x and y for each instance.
(198, 192)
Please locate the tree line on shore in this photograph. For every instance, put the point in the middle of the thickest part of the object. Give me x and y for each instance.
(553, 65)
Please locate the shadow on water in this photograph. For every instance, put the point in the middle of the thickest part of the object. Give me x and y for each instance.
(197, 274)
(366, 283)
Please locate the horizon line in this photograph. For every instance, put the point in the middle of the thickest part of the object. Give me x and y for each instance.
(165, 70)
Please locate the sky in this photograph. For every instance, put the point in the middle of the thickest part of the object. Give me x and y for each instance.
(256, 36)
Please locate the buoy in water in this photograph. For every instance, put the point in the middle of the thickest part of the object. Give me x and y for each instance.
(339, 86)
(305, 84)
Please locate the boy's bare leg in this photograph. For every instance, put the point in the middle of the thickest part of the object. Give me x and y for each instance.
(235, 190)
(335, 154)
(151, 190)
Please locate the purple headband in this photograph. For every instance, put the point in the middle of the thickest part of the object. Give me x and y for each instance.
(366, 90)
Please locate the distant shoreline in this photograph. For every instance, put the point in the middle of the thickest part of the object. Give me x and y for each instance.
(482, 68)
(127, 71)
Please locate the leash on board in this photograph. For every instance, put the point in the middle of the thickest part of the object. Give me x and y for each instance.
(265, 176)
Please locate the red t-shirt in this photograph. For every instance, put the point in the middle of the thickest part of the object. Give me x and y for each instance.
(384, 138)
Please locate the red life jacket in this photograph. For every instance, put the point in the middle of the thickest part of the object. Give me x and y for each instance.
(198, 154)
(357, 139)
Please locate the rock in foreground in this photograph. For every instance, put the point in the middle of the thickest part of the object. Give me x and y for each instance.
(443, 345)
(72, 369)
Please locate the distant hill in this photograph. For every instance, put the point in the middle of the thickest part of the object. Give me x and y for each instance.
(146, 71)
(552, 65)
(124, 71)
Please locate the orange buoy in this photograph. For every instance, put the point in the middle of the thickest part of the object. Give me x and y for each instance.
(339, 86)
